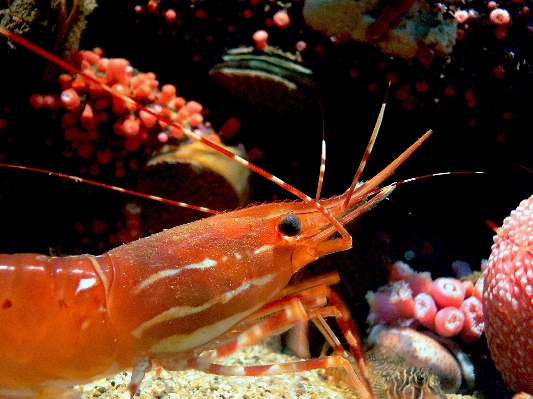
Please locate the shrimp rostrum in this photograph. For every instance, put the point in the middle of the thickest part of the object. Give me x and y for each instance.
(182, 298)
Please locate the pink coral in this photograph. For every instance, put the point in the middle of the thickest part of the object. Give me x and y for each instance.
(91, 113)
(507, 298)
(425, 310)
(438, 305)
(448, 292)
(473, 324)
(449, 321)
(500, 17)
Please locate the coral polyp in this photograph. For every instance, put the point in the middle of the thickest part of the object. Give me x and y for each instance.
(413, 298)
(91, 113)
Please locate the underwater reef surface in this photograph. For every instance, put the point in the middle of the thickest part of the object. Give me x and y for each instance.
(477, 100)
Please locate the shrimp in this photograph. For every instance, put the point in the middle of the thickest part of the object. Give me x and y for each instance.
(182, 298)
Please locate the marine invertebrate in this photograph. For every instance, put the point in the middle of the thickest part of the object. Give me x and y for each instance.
(448, 292)
(439, 305)
(266, 78)
(507, 298)
(298, 233)
(92, 114)
(449, 321)
(281, 19)
(107, 135)
(500, 17)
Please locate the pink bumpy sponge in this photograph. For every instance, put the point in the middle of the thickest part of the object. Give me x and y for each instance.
(446, 305)
(508, 298)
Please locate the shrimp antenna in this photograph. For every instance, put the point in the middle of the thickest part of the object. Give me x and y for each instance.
(322, 156)
(368, 150)
(114, 188)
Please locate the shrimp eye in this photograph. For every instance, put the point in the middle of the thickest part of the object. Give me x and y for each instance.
(290, 225)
